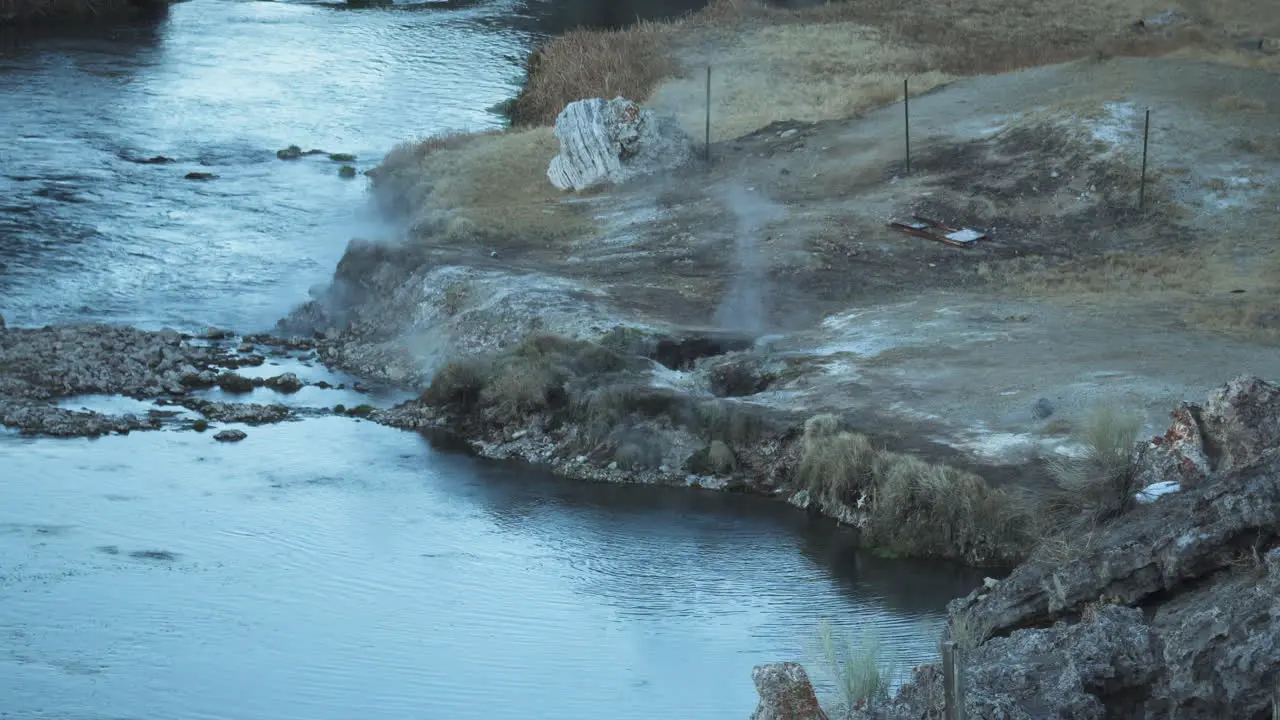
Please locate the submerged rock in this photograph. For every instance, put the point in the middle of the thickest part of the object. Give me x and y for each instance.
(346, 172)
(286, 383)
(230, 436)
(785, 693)
(200, 176)
(235, 383)
(247, 413)
(611, 142)
(293, 152)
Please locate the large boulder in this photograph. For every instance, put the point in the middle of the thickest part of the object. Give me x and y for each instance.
(611, 142)
(785, 693)
(1237, 427)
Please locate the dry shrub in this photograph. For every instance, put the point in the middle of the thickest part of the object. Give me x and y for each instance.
(1100, 484)
(720, 457)
(857, 668)
(593, 63)
(917, 508)
(525, 378)
(927, 510)
(835, 466)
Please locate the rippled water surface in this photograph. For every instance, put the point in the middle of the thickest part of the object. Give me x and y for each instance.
(337, 569)
(88, 233)
(331, 568)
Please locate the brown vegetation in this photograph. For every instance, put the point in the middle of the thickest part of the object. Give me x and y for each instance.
(838, 58)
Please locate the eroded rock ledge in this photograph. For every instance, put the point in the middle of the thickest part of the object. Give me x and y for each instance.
(1167, 611)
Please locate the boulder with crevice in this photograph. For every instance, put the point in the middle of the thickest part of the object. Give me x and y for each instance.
(605, 142)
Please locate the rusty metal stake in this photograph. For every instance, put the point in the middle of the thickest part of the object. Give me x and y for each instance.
(1142, 186)
(952, 680)
(906, 121)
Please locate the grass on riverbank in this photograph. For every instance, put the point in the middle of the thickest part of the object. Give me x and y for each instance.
(602, 400)
(914, 508)
(834, 59)
(472, 188)
(856, 667)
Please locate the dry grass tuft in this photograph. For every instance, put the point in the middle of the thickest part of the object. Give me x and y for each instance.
(927, 510)
(835, 466)
(720, 458)
(856, 667)
(916, 508)
(1099, 485)
(593, 63)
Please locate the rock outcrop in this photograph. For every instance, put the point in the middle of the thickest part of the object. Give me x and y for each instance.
(1169, 611)
(785, 693)
(38, 367)
(611, 142)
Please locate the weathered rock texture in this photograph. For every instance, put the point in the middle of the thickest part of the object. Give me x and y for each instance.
(1170, 611)
(785, 693)
(611, 142)
(40, 366)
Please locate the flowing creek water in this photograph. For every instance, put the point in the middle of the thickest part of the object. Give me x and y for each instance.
(333, 568)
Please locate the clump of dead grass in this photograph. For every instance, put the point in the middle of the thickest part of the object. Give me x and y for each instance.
(930, 510)
(527, 378)
(914, 508)
(593, 63)
(1100, 484)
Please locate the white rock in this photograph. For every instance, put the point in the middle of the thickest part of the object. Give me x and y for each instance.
(1151, 492)
(614, 141)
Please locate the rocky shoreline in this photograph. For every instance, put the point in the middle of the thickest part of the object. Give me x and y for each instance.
(1168, 610)
(42, 369)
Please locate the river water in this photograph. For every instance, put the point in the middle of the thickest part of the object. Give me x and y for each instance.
(333, 568)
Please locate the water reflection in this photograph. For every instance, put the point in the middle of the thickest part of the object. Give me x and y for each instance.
(317, 565)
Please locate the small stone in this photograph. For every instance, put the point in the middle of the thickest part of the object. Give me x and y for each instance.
(235, 383)
(286, 383)
(230, 436)
(1042, 409)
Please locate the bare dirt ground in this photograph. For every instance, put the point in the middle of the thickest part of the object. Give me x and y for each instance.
(1076, 297)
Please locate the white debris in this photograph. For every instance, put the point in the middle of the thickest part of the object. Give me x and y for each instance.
(1154, 491)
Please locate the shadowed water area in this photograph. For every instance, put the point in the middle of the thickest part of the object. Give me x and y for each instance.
(332, 568)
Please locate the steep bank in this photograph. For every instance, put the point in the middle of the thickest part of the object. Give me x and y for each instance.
(1168, 609)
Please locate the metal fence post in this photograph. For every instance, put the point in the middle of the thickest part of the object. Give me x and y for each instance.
(906, 121)
(707, 148)
(1142, 186)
